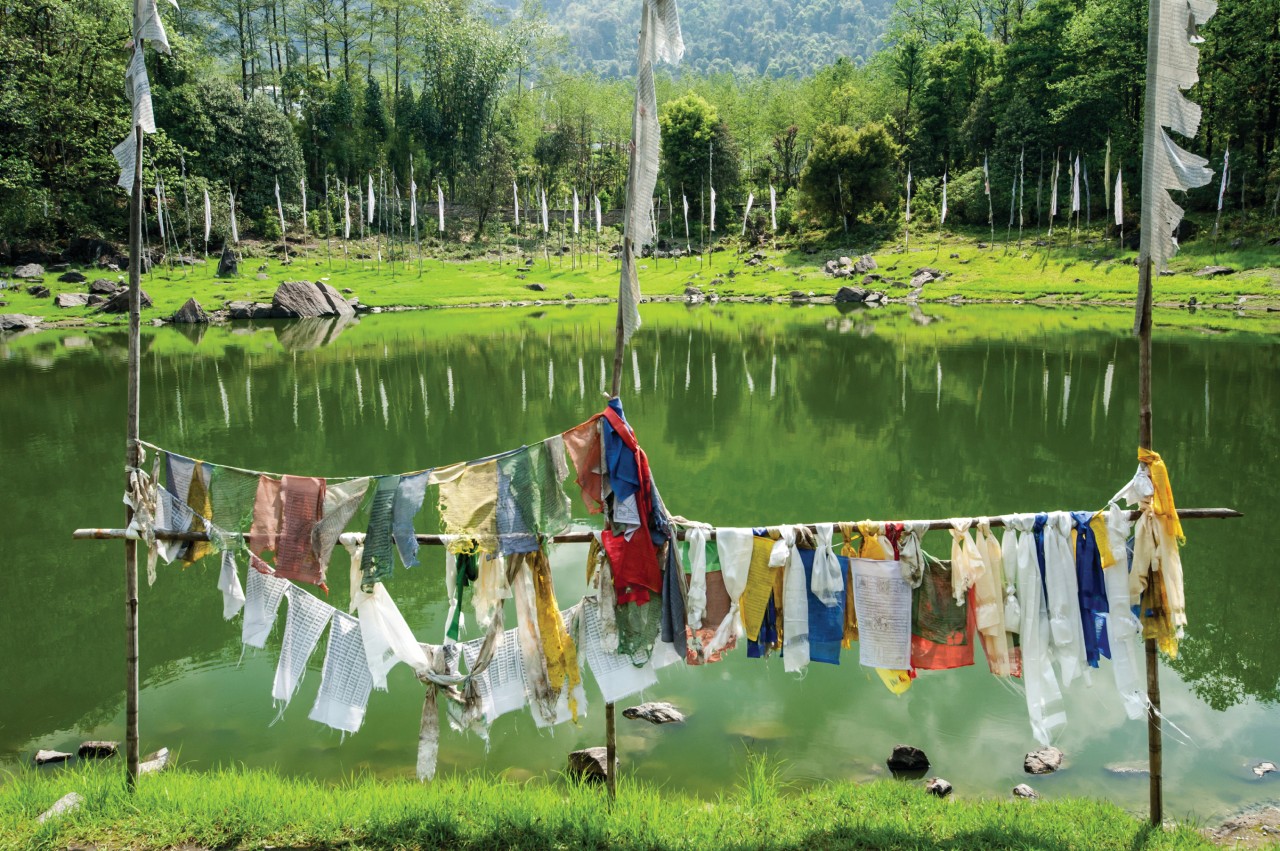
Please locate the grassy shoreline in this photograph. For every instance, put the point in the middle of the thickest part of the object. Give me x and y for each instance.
(1087, 273)
(238, 808)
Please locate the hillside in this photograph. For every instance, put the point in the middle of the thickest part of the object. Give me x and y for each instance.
(774, 37)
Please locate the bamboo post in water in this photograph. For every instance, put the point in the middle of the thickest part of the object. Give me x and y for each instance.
(132, 460)
(1155, 736)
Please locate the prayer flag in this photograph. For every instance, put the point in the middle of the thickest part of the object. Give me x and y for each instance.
(943, 219)
(159, 208)
(545, 219)
(147, 24)
(370, 205)
(1106, 175)
(685, 199)
(1053, 194)
(235, 233)
(745, 216)
(1075, 185)
(208, 215)
(713, 209)
(303, 185)
(575, 210)
(126, 157)
(1222, 186)
(598, 218)
(346, 213)
(280, 209)
(1085, 173)
(440, 205)
(413, 201)
(138, 88)
(986, 177)
(515, 199)
(908, 193)
(1119, 201)
(773, 209)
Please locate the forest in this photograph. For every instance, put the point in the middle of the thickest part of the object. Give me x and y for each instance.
(327, 96)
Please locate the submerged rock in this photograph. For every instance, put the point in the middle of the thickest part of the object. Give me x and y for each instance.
(1127, 769)
(590, 764)
(906, 758)
(654, 713)
(1022, 790)
(1262, 769)
(46, 757)
(98, 750)
(938, 787)
(1044, 761)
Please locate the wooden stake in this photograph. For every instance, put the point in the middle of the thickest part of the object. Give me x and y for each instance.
(1155, 736)
(132, 460)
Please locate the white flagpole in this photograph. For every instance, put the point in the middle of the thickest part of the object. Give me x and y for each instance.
(1118, 204)
(440, 207)
(370, 205)
(208, 222)
(235, 232)
(773, 209)
(1222, 188)
(906, 227)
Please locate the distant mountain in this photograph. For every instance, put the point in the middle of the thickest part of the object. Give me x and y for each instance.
(773, 37)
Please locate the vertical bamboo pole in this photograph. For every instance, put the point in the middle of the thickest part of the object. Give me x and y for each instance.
(131, 462)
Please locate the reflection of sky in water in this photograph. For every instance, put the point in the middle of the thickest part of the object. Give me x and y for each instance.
(893, 413)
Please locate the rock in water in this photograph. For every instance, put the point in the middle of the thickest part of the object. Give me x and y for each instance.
(119, 303)
(45, 757)
(228, 265)
(65, 804)
(590, 764)
(1044, 761)
(29, 271)
(71, 278)
(654, 713)
(191, 313)
(71, 299)
(98, 750)
(850, 295)
(1262, 769)
(938, 787)
(907, 759)
(157, 761)
(17, 322)
(1022, 790)
(303, 299)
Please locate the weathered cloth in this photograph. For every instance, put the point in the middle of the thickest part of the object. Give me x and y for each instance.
(988, 597)
(301, 507)
(795, 602)
(199, 503)
(615, 674)
(265, 528)
(345, 682)
(966, 562)
(261, 602)
(674, 618)
(758, 588)
(827, 574)
(233, 494)
(826, 622)
(1124, 631)
(1058, 567)
(583, 445)
(632, 553)
(735, 548)
(550, 659)
(1044, 695)
(1094, 607)
(468, 503)
(942, 631)
(531, 498)
(341, 502)
(404, 508)
(229, 585)
(304, 624)
(884, 601)
(378, 558)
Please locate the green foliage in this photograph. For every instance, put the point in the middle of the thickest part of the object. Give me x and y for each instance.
(697, 147)
(849, 171)
(270, 224)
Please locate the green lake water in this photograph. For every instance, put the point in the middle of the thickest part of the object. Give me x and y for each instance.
(751, 415)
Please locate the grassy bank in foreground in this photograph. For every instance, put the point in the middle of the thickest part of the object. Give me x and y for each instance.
(239, 809)
(1092, 272)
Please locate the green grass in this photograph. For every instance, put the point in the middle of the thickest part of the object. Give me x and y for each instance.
(1085, 272)
(236, 808)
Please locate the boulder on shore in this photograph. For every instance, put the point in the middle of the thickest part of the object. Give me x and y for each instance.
(119, 303)
(38, 291)
(1213, 271)
(1022, 790)
(590, 764)
(43, 757)
(228, 265)
(98, 750)
(104, 286)
(29, 271)
(17, 322)
(850, 295)
(906, 758)
(191, 313)
(72, 278)
(303, 299)
(938, 787)
(71, 299)
(1044, 761)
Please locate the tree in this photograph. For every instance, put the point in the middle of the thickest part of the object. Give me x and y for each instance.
(849, 171)
(696, 145)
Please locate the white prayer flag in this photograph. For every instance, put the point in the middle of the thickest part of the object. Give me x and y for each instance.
(1053, 194)
(126, 154)
(773, 209)
(235, 232)
(515, 197)
(575, 210)
(746, 215)
(908, 194)
(440, 205)
(302, 184)
(1222, 186)
(346, 213)
(713, 209)
(546, 224)
(599, 218)
(986, 177)
(138, 89)
(370, 204)
(1106, 174)
(159, 208)
(208, 215)
(280, 209)
(685, 199)
(147, 24)
(413, 201)
(943, 220)
(1075, 185)
(1119, 201)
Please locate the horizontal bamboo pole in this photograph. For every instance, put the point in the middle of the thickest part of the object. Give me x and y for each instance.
(585, 537)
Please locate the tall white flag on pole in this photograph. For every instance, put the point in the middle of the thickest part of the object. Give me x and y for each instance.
(159, 208)
(440, 205)
(1053, 194)
(515, 200)
(1075, 185)
(908, 217)
(599, 219)
(1226, 168)
(346, 213)
(546, 220)
(713, 209)
(685, 199)
(302, 184)
(235, 232)
(280, 209)
(575, 210)
(1119, 200)
(371, 202)
(413, 201)
(208, 215)
(773, 209)
(746, 215)
(943, 219)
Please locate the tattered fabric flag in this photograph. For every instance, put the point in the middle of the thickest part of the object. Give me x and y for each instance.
(1084, 171)
(262, 600)
(280, 209)
(137, 87)
(908, 217)
(440, 206)
(345, 682)
(346, 213)
(147, 24)
(747, 215)
(599, 218)
(1226, 170)
(575, 210)
(1106, 176)
(943, 219)
(126, 155)
(515, 200)
(302, 184)
(1053, 194)
(371, 201)
(546, 224)
(773, 209)
(208, 216)
(685, 199)
(159, 208)
(1119, 200)
(986, 177)
(713, 209)
(235, 232)
(1172, 57)
(304, 624)
(413, 201)
(1075, 185)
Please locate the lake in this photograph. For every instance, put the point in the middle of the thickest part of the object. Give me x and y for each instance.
(751, 415)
